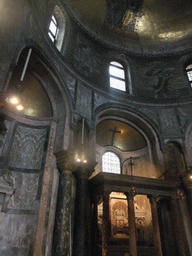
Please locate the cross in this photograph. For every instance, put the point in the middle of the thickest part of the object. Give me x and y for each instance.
(131, 164)
(113, 135)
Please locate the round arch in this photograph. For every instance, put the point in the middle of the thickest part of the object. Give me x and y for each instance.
(142, 126)
(55, 89)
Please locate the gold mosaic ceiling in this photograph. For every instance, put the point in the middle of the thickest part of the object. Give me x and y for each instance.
(156, 21)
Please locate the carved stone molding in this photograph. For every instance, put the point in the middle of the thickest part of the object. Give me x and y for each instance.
(84, 170)
(6, 187)
(65, 160)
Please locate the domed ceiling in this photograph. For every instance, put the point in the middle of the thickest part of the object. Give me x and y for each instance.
(141, 25)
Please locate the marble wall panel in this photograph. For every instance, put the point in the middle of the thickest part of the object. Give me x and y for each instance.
(169, 123)
(84, 100)
(17, 233)
(27, 148)
(25, 186)
(99, 100)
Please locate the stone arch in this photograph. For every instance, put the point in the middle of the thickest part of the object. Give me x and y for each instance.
(140, 124)
(32, 170)
(53, 85)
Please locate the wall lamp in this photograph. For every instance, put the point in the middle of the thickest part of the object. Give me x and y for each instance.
(15, 97)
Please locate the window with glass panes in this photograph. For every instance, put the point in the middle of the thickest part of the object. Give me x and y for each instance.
(53, 29)
(189, 73)
(117, 76)
(111, 163)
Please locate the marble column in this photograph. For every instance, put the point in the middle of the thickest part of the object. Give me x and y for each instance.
(166, 226)
(82, 209)
(187, 182)
(180, 234)
(62, 236)
(132, 226)
(105, 224)
(95, 228)
(156, 232)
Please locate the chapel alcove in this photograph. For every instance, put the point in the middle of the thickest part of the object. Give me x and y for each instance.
(119, 224)
(129, 143)
(27, 87)
(23, 151)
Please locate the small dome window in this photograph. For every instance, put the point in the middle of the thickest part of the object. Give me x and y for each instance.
(111, 163)
(117, 76)
(53, 29)
(57, 27)
(189, 73)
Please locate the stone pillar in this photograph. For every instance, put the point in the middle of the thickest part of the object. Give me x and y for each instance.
(166, 226)
(105, 224)
(95, 226)
(180, 234)
(132, 226)
(187, 182)
(62, 237)
(81, 239)
(156, 232)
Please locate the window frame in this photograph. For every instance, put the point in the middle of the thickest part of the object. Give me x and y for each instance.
(60, 16)
(120, 66)
(53, 36)
(188, 70)
(102, 165)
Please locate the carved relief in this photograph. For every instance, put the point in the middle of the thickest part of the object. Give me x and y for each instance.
(120, 218)
(27, 148)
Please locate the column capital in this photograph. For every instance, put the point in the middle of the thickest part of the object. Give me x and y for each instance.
(65, 160)
(131, 193)
(106, 193)
(84, 170)
(153, 198)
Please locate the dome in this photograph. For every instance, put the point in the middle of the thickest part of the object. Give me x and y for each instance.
(142, 26)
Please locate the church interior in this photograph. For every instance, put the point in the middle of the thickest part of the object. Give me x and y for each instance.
(96, 128)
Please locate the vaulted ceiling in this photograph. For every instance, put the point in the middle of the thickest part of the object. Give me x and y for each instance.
(151, 25)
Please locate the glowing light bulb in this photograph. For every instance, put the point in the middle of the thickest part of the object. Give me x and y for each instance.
(13, 100)
(20, 107)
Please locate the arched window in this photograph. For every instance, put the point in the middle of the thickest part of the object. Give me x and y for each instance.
(189, 73)
(53, 29)
(117, 76)
(111, 163)
(57, 27)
